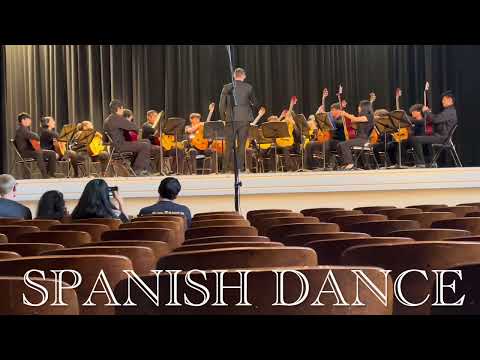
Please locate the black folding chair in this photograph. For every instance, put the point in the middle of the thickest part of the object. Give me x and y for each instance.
(27, 164)
(124, 158)
(367, 153)
(449, 146)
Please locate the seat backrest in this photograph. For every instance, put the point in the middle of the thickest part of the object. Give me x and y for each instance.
(345, 220)
(113, 224)
(383, 228)
(221, 222)
(280, 232)
(237, 258)
(370, 209)
(176, 227)
(394, 214)
(215, 213)
(425, 207)
(477, 204)
(9, 221)
(259, 217)
(13, 145)
(217, 217)
(30, 249)
(142, 257)
(95, 230)
(325, 216)
(43, 225)
(459, 211)
(215, 239)
(471, 224)
(427, 256)
(430, 234)
(89, 266)
(163, 217)
(473, 214)
(14, 231)
(309, 212)
(263, 292)
(66, 238)
(426, 219)
(229, 244)
(16, 289)
(303, 239)
(264, 225)
(253, 213)
(158, 248)
(329, 252)
(220, 231)
(164, 235)
(8, 255)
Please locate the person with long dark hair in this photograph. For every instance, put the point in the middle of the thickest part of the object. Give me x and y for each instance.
(364, 126)
(98, 200)
(51, 206)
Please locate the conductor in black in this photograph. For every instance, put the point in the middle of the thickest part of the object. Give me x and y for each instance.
(237, 117)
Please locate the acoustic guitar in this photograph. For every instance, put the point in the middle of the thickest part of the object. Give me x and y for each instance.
(323, 136)
(198, 140)
(348, 128)
(428, 123)
(288, 141)
(401, 135)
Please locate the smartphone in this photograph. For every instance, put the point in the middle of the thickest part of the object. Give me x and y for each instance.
(112, 189)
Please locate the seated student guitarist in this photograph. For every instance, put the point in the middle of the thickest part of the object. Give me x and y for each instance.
(364, 126)
(149, 133)
(25, 140)
(116, 125)
(442, 124)
(48, 134)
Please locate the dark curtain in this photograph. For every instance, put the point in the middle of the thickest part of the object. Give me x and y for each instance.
(76, 82)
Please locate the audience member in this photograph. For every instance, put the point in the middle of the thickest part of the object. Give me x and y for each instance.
(9, 208)
(52, 206)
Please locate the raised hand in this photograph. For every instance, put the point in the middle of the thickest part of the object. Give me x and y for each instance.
(211, 107)
(262, 111)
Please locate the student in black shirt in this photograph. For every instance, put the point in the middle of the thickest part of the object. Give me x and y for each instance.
(364, 125)
(48, 134)
(23, 138)
(169, 189)
(9, 208)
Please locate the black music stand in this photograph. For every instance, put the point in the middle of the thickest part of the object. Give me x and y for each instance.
(384, 127)
(324, 125)
(174, 126)
(159, 126)
(301, 123)
(272, 131)
(214, 130)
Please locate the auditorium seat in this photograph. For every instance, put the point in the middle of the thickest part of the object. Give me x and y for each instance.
(471, 224)
(345, 220)
(66, 238)
(229, 244)
(14, 231)
(113, 224)
(236, 258)
(95, 230)
(16, 289)
(214, 239)
(428, 255)
(477, 204)
(430, 234)
(325, 216)
(9, 221)
(264, 225)
(158, 248)
(164, 235)
(220, 222)
(89, 266)
(459, 211)
(303, 239)
(382, 228)
(220, 231)
(394, 214)
(197, 215)
(426, 208)
(309, 212)
(260, 217)
(176, 227)
(472, 238)
(263, 292)
(473, 214)
(370, 209)
(280, 232)
(3, 238)
(8, 255)
(42, 224)
(329, 252)
(253, 213)
(217, 217)
(162, 217)
(426, 219)
(142, 257)
(30, 249)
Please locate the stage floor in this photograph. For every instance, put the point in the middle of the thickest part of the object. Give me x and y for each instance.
(291, 190)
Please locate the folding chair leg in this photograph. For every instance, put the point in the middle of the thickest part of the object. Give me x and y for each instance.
(435, 157)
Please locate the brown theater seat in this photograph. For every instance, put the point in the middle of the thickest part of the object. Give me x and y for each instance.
(30, 249)
(113, 224)
(394, 214)
(472, 238)
(459, 211)
(217, 217)
(176, 227)
(303, 239)
(473, 214)
(162, 217)
(66, 238)
(426, 208)
(430, 234)
(371, 209)
(255, 220)
(325, 216)
(477, 204)
(158, 248)
(222, 245)
(215, 213)
(237, 258)
(220, 231)
(16, 289)
(266, 224)
(95, 230)
(383, 228)
(8, 255)
(43, 225)
(9, 221)
(142, 257)
(221, 222)
(419, 255)
(346, 220)
(471, 224)
(215, 239)
(89, 266)
(252, 213)
(164, 235)
(426, 219)
(263, 292)
(309, 212)
(329, 252)
(280, 232)
(12, 232)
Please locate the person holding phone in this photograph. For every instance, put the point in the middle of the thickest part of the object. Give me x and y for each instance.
(98, 200)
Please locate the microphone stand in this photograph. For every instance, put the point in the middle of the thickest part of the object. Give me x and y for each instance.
(236, 170)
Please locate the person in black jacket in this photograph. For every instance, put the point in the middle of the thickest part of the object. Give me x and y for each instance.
(23, 138)
(237, 118)
(51, 206)
(9, 208)
(442, 123)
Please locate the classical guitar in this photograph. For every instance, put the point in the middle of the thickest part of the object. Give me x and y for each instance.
(288, 141)
(323, 135)
(401, 135)
(349, 130)
(428, 123)
(198, 140)
(374, 136)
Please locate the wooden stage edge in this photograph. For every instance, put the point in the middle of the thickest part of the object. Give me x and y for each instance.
(296, 191)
